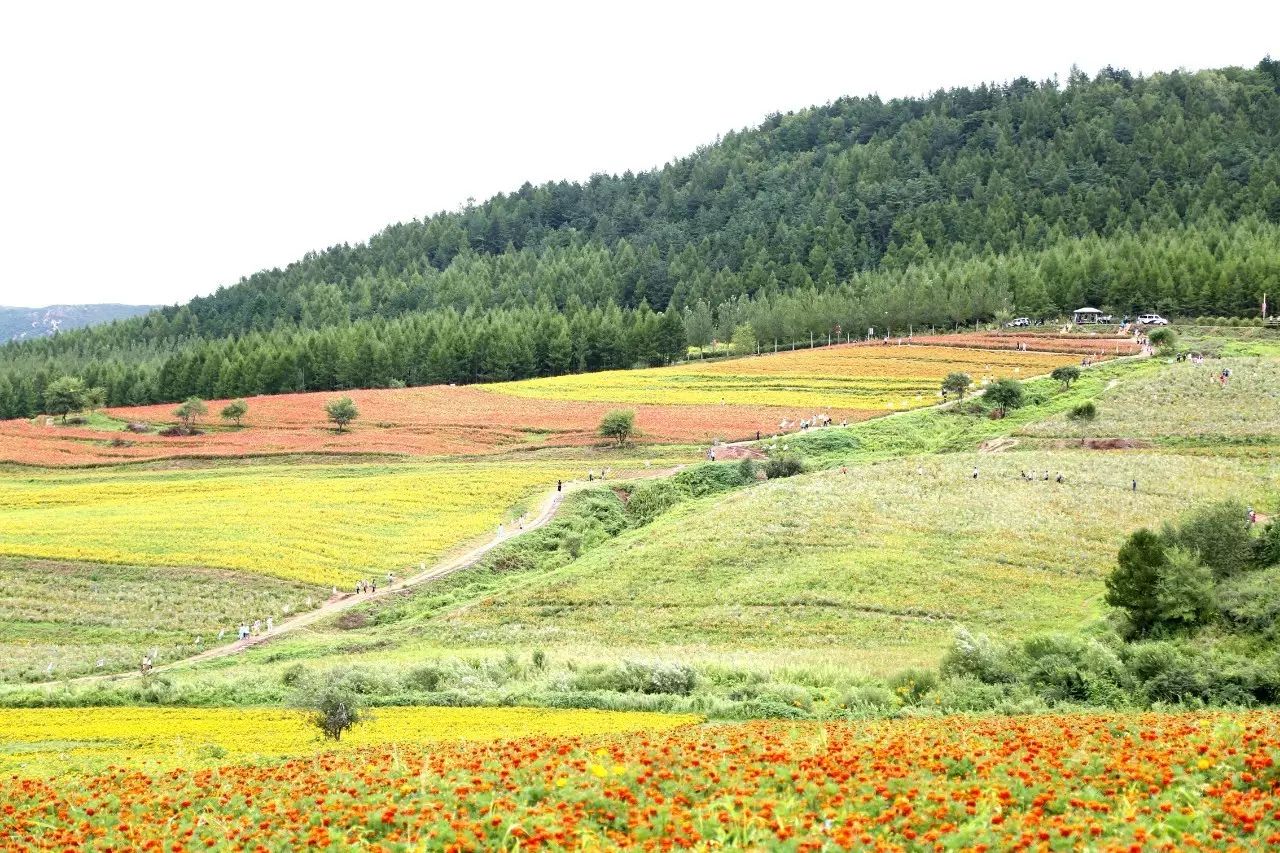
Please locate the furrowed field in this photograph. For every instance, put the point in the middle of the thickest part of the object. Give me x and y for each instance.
(1112, 782)
(856, 377)
(693, 403)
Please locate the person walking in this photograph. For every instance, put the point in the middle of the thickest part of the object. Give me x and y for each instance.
(271, 624)
(244, 631)
(257, 627)
(559, 485)
(975, 472)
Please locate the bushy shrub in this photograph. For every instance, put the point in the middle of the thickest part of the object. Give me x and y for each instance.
(1219, 535)
(1266, 549)
(294, 675)
(658, 677)
(912, 685)
(870, 697)
(785, 465)
(1251, 601)
(426, 678)
(976, 657)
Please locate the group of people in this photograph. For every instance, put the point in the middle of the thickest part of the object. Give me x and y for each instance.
(245, 631)
(1031, 477)
(363, 586)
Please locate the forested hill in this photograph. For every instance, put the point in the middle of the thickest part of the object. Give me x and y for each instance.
(1128, 193)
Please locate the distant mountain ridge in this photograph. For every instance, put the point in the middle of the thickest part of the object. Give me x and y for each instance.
(25, 323)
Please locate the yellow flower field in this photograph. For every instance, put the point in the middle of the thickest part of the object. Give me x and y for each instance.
(54, 740)
(845, 377)
(325, 524)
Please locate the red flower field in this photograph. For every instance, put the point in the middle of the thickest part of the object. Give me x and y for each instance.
(1096, 782)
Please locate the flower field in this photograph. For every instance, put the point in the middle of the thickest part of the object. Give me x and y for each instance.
(323, 524)
(853, 377)
(47, 740)
(690, 403)
(1113, 782)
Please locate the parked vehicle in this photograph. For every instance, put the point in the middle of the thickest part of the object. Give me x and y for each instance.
(1018, 322)
(1152, 320)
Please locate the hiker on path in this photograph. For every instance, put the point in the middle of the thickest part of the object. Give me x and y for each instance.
(975, 472)
(559, 485)
(373, 586)
(244, 631)
(1135, 485)
(1060, 478)
(271, 624)
(257, 627)
(499, 531)
(146, 664)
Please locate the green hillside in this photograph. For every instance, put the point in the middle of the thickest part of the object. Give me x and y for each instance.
(1131, 193)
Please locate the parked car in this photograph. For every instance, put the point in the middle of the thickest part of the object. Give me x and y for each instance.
(1152, 320)
(1018, 322)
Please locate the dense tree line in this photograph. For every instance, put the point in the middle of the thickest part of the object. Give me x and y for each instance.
(1130, 193)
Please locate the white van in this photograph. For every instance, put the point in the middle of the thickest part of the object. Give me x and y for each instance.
(1152, 320)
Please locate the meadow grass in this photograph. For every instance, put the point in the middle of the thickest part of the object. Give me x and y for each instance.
(73, 615)
(1184, 404)
(889, 557)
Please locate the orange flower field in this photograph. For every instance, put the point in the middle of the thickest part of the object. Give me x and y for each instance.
(1098, 782)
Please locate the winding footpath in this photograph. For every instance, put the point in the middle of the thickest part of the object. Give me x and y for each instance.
(348, 600)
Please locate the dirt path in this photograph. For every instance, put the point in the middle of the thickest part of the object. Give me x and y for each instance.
(348, 600)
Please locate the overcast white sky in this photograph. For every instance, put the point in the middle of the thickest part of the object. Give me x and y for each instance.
(150, 152)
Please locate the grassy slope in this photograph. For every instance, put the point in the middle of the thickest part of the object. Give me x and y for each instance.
(73, 614)
(870, 568)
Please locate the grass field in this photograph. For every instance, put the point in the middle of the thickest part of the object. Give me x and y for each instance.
(870, 569)
(1186, 404)
(60, 619)
(1053, 782)
(321, 524)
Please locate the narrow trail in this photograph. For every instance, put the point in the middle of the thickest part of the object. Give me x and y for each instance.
(349, 600)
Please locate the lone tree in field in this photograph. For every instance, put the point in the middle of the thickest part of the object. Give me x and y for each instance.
(65, 395)
(1005, 394)
(190, 411)
(619, 425)
(95, 398)
(330, 704)
(956, 383)
(1066, 375)
(342, 411)
(235, 410)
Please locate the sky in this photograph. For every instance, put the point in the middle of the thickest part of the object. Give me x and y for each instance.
(152, 152)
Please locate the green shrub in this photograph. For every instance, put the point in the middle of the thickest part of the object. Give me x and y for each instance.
(976, 657)
(426, 678)
(871, 697)
(1219, 535)
(912, 685)
(1251, 601)
(785, 465)
(294, 675)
